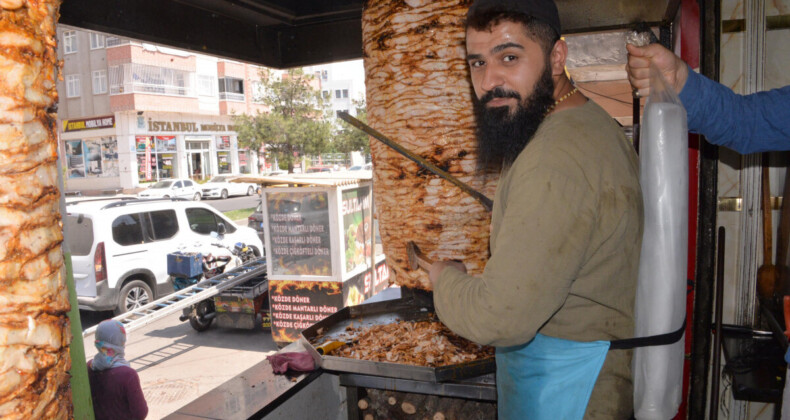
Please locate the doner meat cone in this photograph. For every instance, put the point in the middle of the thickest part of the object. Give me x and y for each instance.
(34, 329)
(419, 95)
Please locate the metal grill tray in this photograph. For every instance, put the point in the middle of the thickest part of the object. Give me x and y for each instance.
(379, 313)
(249, 289)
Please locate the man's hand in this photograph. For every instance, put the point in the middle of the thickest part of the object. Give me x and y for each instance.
(439, 266)
(674, 70)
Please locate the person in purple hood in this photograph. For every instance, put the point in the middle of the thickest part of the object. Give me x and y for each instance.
(115, 387)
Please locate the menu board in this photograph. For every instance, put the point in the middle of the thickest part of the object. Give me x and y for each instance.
(299, 233)
(296, 305)
(357, 229)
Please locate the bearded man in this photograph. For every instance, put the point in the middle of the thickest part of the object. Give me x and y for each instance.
(566, 226)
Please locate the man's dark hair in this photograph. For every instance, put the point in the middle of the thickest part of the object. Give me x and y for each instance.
(537, 30)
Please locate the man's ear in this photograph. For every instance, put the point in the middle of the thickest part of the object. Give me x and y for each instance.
(557, 57)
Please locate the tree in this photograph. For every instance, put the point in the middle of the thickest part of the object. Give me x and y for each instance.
(296, 122)
(351, 139)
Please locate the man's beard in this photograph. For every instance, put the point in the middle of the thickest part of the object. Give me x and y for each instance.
(502, 136)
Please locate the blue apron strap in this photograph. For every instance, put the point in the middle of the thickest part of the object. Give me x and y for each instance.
(651, 340)
(548, 378)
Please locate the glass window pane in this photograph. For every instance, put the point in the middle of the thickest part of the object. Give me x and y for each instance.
(164, 223)
(126, 230)
(223, 162)
(201, 221)
(167, 165)
(79, 234)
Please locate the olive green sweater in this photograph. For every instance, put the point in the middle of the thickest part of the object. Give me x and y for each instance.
(565, 242)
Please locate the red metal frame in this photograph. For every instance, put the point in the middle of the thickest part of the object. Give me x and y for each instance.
(689, 24)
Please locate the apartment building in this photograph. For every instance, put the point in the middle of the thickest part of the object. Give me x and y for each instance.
(132, 113)
(341, 84)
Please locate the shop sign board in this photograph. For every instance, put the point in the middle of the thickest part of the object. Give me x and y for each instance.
(94, 123)
(187, 126)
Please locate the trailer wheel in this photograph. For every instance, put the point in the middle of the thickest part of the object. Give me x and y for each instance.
(196, 319)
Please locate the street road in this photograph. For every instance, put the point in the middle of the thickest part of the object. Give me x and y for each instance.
(177, 364)
(234, 203)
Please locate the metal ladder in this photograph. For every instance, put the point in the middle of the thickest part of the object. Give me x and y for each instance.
(188, 296)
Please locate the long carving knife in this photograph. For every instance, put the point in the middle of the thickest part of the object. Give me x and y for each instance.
(477, 195)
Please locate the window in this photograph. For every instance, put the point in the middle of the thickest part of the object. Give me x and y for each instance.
(127, 230)
(205, 85)
(80, 234)
(337, 94)
(140, 228)
(164, 223)
(231, 89)
(69, 42)
(223, 162)
(187, 183)
(327, 94)
(345, 93)
(324, 75)
(73, 88)
(113, 41)
(97, 41)
(99, 82)
(205, 221)
(178, 185)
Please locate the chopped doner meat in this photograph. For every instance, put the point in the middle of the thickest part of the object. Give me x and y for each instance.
(422, 343)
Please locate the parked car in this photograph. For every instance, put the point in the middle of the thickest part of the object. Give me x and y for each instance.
(167, 188)
(316, 169)
(366, 167)
(255, 221)
(119, 247)
(221, 187)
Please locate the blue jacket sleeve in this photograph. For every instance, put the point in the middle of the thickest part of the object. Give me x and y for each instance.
(745, 123)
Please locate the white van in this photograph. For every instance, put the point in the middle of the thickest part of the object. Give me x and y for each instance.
(119, 247)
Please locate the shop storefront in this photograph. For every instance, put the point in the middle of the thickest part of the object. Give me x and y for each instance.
(156, 158)
(223, 155)
(129, 150)
(90, 151)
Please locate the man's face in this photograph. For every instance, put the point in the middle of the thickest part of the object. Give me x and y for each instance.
(512, 78)
(504, 60)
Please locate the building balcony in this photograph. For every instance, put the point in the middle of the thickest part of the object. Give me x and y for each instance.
(154, 102)
(231, 96)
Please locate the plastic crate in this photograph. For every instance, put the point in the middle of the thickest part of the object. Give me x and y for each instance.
(185, 264)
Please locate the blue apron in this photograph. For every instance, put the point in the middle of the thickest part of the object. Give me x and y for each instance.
(552, 378)
(548, 378)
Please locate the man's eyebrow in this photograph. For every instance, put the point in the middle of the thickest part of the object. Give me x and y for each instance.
(505, 46)
(474, 56)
